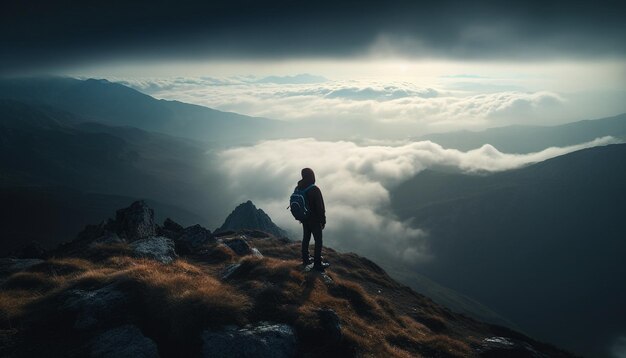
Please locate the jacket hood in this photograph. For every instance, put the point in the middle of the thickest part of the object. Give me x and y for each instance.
(308, 178)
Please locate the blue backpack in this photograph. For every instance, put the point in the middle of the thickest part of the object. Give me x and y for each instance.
(298, 205)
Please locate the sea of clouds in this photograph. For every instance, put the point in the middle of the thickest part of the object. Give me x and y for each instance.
(425, 107)
(355, 181)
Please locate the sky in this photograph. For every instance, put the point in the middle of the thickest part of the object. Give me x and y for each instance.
(393, 66)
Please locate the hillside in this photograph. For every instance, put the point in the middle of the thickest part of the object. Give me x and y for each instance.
(528, 139)
(46, 153)
(130, 287)
(115, 104)
(542, 245)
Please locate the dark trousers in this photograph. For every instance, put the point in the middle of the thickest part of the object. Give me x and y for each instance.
(314, 228)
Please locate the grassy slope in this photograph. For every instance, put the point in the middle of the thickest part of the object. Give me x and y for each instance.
(173, 303)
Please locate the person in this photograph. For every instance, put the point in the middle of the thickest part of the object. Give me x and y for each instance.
(315, 221)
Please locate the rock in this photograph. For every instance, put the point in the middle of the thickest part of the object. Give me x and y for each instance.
(157, 248)
(92, 232)
(247, 217)
(193, 237)
(124, 341)
(10, 265)
(330, 324)
(135, 222)
(264, 340)
(172, 225)
(97, 307)
(229, 270)
(256, 234)
(106, 239)
(507, 347)
(239, 245)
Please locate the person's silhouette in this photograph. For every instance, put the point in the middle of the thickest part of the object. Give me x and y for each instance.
(315, 221)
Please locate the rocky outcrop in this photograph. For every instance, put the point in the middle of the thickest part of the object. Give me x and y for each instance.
(330, 325)
(95, 308)
(107, 238)
(193, 237)
(264, 340)
(239, 245)
(172, 225)
(135, 222)
(157, 248)
(122, 342)
(230, 270)
(188, 239)
(247, 217)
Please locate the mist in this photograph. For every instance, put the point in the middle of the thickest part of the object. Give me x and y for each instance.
(355, 181)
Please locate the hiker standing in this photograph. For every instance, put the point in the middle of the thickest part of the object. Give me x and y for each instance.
(314, 221)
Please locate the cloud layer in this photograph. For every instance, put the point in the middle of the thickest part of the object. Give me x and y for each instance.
(355, 181)
(365, 108)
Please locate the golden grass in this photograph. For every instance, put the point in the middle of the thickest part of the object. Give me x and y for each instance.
(175, 302)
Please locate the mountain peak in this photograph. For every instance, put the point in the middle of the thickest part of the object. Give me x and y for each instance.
(247, 216)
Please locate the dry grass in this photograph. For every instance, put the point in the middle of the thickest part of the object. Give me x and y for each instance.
(173, 303)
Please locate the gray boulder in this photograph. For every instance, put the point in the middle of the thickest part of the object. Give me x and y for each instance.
(229, 271)
(194, 237)
(157, 248)
(136, 221)
(239, 245)
(95, 308)
(172, 225)
(121, 342)
(264, 340)
(107, 238)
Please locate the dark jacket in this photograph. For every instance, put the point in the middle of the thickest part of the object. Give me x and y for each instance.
(314, 198)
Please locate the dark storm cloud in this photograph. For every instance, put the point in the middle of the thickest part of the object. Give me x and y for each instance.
(38, 33)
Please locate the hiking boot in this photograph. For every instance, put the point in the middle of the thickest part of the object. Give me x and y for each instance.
(318, 268)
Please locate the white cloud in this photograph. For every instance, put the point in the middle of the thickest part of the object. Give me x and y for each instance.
(355, 181)
(408, 106)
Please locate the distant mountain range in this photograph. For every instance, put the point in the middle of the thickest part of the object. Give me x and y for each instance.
(543, 245)
(115, 104)
(528, 139)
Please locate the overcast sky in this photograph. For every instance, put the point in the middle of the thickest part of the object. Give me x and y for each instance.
(441, 65)
(36, 34)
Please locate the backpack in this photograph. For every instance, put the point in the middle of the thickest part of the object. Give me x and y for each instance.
(298, 205)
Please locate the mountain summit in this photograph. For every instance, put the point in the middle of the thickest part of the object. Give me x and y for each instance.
(130, 287)
(246, 216)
